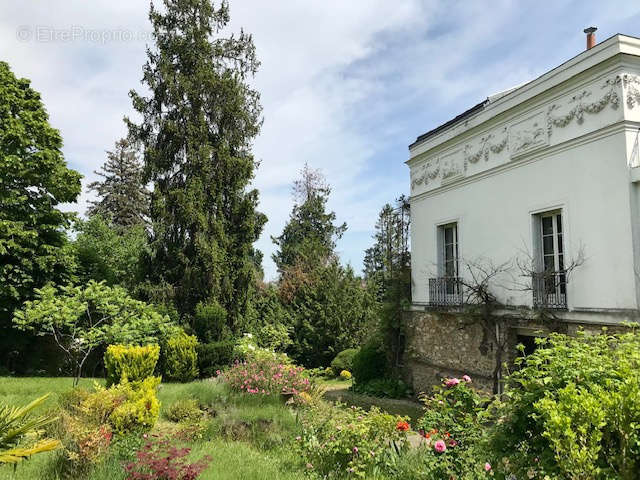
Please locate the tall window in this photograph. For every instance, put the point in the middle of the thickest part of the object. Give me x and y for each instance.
(446, 289)
(450, 250)
(550, 283)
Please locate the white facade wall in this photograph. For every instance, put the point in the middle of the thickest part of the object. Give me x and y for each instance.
(564, 141)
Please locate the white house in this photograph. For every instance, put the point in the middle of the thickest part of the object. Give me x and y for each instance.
(546, 175)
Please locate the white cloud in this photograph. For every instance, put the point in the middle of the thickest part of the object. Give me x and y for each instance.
(345, 85)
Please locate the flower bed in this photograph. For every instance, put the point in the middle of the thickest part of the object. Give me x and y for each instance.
(265, 376)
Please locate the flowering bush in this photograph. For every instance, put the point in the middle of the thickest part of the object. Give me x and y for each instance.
(159, 460)
(451, 426)
(338, 441)
(572, 410)
(345, 375)
(247, 349)
(266, 376)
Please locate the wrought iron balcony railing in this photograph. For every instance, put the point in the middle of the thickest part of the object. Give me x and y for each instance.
(445, 291)
(550, 289)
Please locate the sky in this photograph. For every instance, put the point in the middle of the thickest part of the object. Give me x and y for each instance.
(345, 85)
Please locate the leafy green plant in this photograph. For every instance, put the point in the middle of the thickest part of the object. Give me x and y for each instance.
(184, 410)
(343, 361)
(369, 363)
(81, 319)
(210, 322)
(572, 410)
(452, 427)
(19, 423)
(135, 363)
(339, 442)
(214, 356)
(384, 388)
(181, 358)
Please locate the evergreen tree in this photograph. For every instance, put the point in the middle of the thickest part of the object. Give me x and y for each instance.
(198, 124)
(389, 256)
(387, 267)
(34, 180)
(310, 234)
(123, 198)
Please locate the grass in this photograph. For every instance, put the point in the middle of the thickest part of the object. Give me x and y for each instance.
(338, 391)
(248, 437)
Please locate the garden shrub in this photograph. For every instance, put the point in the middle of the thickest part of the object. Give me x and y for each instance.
(134, 363)
(159, 459)
(369, 363)
(383, 387)
(452, 427)
(210, 323)
(338, 441)
(247, 349)
(126, 407)
(181, 358)
(572, 410)
(266, 376)
(184, 410)
(343, 361)
(214, 356)
(345, 375)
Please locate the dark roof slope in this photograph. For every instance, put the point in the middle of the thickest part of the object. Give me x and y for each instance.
(453, 121)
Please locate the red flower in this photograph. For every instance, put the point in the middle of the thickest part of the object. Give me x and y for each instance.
(402, 426)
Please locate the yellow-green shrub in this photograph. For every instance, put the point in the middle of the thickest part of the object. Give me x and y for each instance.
(181, 358)
(345, 375)
(126, 407)
(135, 363)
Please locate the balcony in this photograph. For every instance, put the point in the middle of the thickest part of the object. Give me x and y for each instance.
(445, 292)
(550, 290)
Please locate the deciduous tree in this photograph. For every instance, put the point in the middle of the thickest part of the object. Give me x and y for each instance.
(34, 181)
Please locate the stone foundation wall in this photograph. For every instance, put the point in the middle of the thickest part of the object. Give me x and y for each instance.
(443, 344)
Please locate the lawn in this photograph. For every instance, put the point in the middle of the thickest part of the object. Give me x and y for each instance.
(247, 436)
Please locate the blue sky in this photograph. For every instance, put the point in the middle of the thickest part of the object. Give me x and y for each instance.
(346, 85)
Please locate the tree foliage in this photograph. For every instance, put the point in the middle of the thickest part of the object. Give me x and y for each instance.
(198, 124)
(34, 180)
(81, 319)
(106, 253)
(310, 234)
(123, 197)
(331, 309)
(387, 268)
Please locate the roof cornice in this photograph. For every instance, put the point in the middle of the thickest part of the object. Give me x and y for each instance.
(615, 45)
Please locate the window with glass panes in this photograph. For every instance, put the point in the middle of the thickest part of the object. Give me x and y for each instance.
(553, 252)
(450, 250)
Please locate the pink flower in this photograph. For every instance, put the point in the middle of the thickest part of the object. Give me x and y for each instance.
(487, 467)
(440, 446)
(451, 382)
(466, 378)
(355, 450)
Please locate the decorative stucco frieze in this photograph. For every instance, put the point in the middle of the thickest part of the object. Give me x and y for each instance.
(528, 134)
(425, 173)
(631, 84)
(452, 165)
(488, 144)
(579, 104)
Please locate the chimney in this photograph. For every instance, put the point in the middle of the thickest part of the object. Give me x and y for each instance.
(591, 37)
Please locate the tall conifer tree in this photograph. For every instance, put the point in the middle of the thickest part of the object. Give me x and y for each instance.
(123, 197)
(310, 235)
(197, 128)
